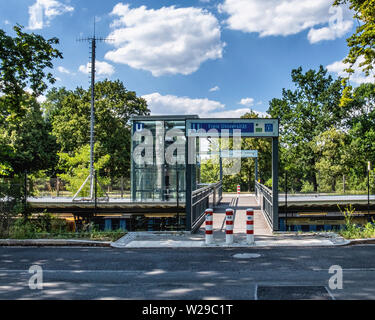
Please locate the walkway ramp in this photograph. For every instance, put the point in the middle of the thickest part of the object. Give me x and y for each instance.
(239, 203)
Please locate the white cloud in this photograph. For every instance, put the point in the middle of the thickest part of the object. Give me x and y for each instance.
(102, 68)
(170, 104)
(6, 22)
(248, 102)
(288, 17)
(357, 77)
(216, 88)
(41, 99)
(43, 11)
(236, 113)
(165, 41)
(63, 70)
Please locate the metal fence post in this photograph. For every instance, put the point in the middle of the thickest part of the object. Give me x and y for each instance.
(25, 192)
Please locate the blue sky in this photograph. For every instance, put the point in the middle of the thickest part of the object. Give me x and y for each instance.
(209, 57)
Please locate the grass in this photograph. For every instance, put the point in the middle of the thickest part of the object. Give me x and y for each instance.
(48, 227)
(354, 231)
(94, 235)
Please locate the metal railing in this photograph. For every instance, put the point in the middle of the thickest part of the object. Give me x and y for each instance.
(264, 197)
(202, 199)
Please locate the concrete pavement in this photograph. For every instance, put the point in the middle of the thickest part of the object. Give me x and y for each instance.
(262, 232)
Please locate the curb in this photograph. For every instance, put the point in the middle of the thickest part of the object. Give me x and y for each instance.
(53, 243)
(361, 241)
(122, 243)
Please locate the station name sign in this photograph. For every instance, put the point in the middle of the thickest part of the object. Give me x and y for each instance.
(232, 127)
(239, 154)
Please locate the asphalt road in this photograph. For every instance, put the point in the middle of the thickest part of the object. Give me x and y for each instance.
(210, 273)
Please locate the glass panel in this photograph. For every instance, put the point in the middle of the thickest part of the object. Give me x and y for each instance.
(158, 181)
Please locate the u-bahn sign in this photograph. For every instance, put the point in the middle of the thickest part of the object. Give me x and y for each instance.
(232, 127)
(232, 153)
(239, 154)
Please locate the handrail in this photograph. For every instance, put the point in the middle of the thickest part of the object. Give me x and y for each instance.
(264, 197)
(201, 201)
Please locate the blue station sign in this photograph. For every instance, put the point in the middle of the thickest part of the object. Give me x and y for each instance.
(232, 127)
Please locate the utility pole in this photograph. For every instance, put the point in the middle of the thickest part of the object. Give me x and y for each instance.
(91, 177)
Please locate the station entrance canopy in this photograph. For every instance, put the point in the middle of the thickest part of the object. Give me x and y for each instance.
(160, 180)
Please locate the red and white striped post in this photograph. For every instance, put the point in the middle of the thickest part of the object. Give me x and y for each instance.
(250, 226)
(229, 226)
(238, 189)
(209, 221)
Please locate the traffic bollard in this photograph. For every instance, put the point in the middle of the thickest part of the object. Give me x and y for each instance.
(229, 226)
(250, 226)
(209, 220)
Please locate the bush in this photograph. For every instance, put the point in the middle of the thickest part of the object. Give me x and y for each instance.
(307, 187)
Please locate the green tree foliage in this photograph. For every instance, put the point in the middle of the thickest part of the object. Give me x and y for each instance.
(23, 60)
(27, 142)
(330, 147)
(76, 168)
(69, 113)
(304, 114)
(362, 42)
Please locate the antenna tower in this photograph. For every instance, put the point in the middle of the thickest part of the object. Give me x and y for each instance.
(91, 177)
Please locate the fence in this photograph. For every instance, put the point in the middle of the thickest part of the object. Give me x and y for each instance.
(66, 188)
(264, 197)
(201, 200)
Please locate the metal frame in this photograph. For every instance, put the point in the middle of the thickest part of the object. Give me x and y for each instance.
(273, 213)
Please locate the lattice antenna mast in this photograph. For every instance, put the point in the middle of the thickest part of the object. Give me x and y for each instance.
(92, 40)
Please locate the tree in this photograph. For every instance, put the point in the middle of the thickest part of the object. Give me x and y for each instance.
(361, 130)
(331, 150)
(23, 60)
(76, 168)
(70, 118)
(304, 114)
(361, 43)
(26, 142)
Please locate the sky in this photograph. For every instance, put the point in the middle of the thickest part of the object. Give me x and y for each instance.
(214, 58)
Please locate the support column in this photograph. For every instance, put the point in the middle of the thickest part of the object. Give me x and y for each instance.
(275, 182)
(123, 224)
(107, 224)
(189, 160)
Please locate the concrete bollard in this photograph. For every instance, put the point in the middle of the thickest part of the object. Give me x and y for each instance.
(250, 226)
(209, 221)
(238, 189)
(229, 226)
